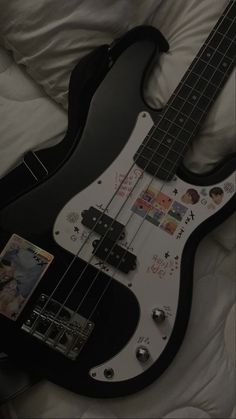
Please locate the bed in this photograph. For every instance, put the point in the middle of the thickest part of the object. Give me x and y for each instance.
(39, 46)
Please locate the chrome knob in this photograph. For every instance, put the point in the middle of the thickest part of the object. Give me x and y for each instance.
(142, 354)
(158, 315)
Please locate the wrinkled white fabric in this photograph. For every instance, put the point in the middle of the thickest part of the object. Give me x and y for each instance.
(28, 118)
(51, 36)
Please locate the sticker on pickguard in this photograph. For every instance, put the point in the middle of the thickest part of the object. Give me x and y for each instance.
(141, 207)
(217, 195)
(191, 196)
(169, 224)
(177, 211)
(155, 216)
(22, 265)
(162, 201)
(154, 205)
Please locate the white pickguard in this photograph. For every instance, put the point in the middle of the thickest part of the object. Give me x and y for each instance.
(164, 219)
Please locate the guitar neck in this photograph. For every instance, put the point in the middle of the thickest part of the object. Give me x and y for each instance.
(188, 106)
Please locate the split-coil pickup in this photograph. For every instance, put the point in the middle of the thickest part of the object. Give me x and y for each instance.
(102, 224)
(115, 255)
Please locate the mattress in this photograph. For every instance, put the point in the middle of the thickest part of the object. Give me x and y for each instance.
(200, 382)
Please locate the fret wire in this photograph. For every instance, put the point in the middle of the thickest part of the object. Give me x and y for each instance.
(196, 107)
(139, 154)
(202, 95)
(225, 36)
(174, 124)
(227, 18)
(183, 113)
(179, 140)
(211, 66)
(165, 145)
(203, 78)
(150, 149)
(156, 164)
(177, 125)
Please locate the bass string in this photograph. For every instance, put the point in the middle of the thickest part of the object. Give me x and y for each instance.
(125, 251)
(50, 297)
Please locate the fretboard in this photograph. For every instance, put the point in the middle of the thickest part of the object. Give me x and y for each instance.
(163, 149)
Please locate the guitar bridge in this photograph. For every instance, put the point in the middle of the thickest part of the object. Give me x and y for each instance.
(58, 327)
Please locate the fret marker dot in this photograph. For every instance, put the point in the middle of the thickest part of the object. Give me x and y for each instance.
(194, 97)
(225, 64)
(169, 140)
(208, 54)
(181, 120)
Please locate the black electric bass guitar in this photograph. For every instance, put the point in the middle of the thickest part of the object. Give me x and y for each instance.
(96, 257)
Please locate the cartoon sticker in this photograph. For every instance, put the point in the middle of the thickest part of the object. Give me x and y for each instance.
(191, 196)
(216, 195)
(169, 224)
(22, 265)
(162, 201)
(177, 211)
(148, 195)
(141, 207)
(155, 216)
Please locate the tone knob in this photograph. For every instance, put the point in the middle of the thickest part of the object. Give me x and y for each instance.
(158, 315)
(142, 354)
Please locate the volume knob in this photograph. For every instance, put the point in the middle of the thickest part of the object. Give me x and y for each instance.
(158, 315)
(142, 354)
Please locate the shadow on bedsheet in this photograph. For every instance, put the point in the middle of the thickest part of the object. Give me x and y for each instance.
(13, 380)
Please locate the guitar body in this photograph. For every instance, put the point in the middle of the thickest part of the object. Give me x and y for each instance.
(134, 291)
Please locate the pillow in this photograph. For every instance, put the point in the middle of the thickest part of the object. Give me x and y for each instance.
(50, 36)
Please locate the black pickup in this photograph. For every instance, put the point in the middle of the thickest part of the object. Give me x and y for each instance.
(115, 255)
(102, 224)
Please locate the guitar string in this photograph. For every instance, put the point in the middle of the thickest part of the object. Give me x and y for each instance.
(155, 150)
(133, 238)
(97, 273)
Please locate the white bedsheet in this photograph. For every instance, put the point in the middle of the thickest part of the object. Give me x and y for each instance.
(200, 383)
(28, 119)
